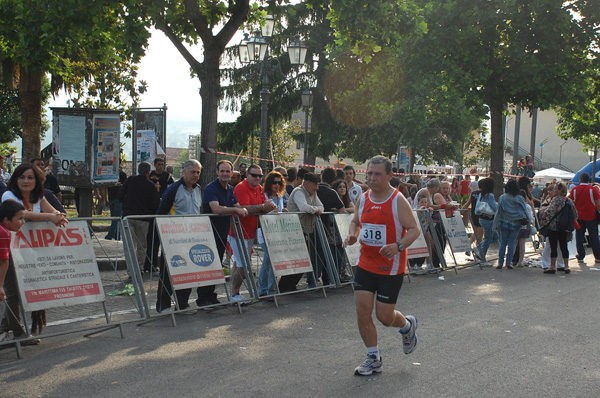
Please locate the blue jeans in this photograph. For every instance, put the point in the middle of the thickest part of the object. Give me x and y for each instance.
(266, 277)
(508, 237)
(489, 236)
(116, 209)
(592, 227)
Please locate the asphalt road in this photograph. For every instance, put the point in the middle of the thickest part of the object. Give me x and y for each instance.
(482, 333)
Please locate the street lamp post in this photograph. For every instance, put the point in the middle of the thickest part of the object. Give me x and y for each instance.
(307, 99)
(255, 50)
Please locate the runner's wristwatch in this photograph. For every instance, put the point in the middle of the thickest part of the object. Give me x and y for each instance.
(400, 246)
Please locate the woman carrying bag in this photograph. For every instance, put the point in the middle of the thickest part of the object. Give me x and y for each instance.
(486, 210)
(559, 233)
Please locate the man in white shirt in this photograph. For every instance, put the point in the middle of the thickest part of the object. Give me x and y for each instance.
(354, 189)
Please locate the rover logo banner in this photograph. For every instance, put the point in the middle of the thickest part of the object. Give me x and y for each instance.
(56, 267)
(190, 251)
(286, 245)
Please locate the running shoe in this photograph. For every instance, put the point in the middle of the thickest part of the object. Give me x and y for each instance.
(370, 365)
(238, 298)
(409, 338)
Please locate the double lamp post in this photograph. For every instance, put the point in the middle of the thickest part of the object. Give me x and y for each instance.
(256, 50)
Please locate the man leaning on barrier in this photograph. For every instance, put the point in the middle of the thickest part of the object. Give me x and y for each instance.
(304, 199)
(219, 199)
(250, 196)
(182, 197)
(385, 225)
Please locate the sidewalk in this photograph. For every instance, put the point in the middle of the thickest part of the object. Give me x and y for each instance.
(482, 333)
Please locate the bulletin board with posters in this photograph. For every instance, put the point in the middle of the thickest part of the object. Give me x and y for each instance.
(190, 251)
(55, 267)
(85, 146)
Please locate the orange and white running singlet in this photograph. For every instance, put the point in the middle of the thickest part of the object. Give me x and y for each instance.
(379, 227)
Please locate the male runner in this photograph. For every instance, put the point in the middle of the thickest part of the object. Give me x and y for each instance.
(386, 226)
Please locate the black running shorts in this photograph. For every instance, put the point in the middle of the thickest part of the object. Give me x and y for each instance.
(385, 287)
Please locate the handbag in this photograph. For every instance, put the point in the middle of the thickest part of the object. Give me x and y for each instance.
(544, 229)
(483, 208)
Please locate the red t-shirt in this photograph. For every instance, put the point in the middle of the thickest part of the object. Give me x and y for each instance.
(464, 187)
(4, 243)
(584, 196)
(246, 195)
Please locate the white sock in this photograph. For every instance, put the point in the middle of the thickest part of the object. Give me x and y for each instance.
(373, 351)
(406, 327)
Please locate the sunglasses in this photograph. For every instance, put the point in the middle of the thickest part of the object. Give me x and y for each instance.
(256, 175)
(284, 175)
(278, 182)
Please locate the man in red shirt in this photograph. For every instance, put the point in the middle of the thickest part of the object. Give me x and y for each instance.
(250, 196)
(587, 201)
(464, 185)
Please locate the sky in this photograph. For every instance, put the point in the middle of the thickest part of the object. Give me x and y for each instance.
(169, 82)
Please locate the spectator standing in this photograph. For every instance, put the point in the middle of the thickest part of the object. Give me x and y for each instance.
(304, 200)
(557, 236)
(274, 190)
(219, 199)
(139, 196)
(490, 235)
(292, 173)
(355, 190)
(250, 195)
(115, 206)
(510, 217)
(183, 197)
(587, 202)
(164, 177)
(341, 187)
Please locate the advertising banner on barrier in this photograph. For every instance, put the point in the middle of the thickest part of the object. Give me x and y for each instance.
(419, 246)
(343, 223)
(456, 232)
(191, 251)
(286, 245)
(56, 267)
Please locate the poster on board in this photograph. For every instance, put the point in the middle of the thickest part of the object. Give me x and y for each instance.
(69, 141)
(286, 245)
(456, 232)
(191, 251)
(146, 146)
(418, 248)
(343, 224)
(56, 267)
(106, 148)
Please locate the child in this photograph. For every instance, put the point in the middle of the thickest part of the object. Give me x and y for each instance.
(422, 204)
(12, 218)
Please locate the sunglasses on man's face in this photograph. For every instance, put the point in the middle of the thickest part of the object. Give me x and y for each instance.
(256, 175)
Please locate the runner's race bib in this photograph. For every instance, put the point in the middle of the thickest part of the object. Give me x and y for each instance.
(373, 235)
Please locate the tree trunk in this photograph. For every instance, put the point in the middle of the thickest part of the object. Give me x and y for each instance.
(497, 148)
(31, 111)
(210, 89)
